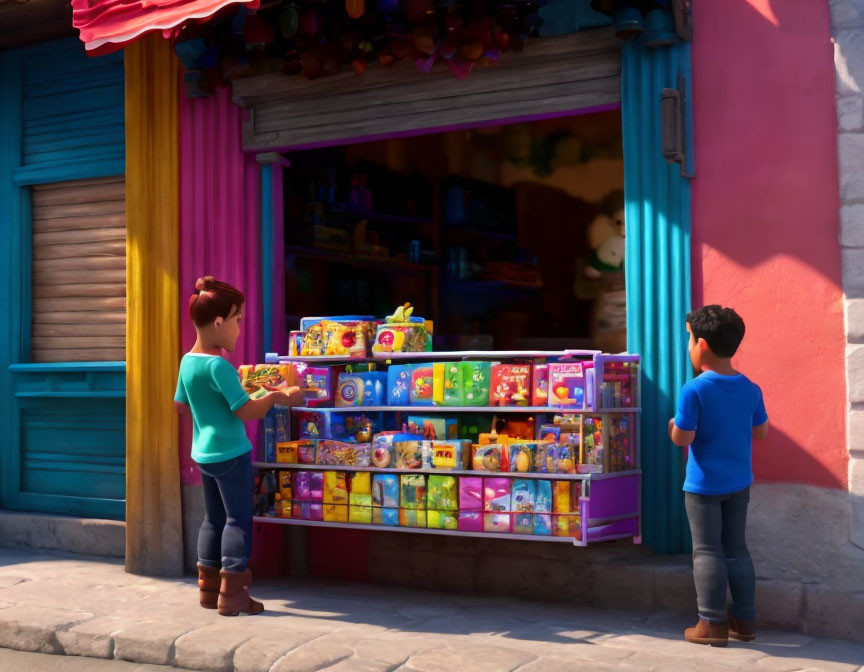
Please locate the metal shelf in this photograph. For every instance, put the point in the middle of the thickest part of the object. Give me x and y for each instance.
(463, 409)
(418, 530)
(445, 355)
(444, 472)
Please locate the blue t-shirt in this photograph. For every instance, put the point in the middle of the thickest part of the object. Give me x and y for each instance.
(722, 410)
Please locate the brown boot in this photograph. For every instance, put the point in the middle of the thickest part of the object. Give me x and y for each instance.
(234, 594)
(208, 585)
(743, 631)
(705, 632)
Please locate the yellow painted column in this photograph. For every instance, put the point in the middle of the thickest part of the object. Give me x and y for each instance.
(154, 530)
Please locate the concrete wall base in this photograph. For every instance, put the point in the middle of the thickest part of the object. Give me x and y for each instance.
(87, 536)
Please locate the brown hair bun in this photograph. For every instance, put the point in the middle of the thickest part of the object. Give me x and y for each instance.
(213, 299)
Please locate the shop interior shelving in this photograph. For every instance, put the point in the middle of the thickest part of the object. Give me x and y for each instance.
(609, 503)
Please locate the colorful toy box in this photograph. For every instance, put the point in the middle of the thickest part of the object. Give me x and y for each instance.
(385, 491)
(433, 428)
(383, 453)
(257, 379)
(555, 458)
(335, 513)
(461, 383)
(361, 389)
(487, 458)
(409, 451)
(511, 385)
(412, 517)
(470, 493)
(496, 504)
(399, 384)
(446, 455)
(520, 457)
(402, 332)
(339, 426)
(318, 383)
(335, 487)
(442, 520)
(309, 486)
(566, 385)
(543, 508)
(289, 451)
(422, 385)
(522, 504)
(619, 440)
(442, 493)
(412, 491)
(540, 385)
(592, 455)
(286, 485)
(360, 498)
(341, 454)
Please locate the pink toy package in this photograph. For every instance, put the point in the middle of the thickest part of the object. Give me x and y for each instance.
(470, 521)
(567, 385)
(540, 387)
(470, 493)
(496, 494)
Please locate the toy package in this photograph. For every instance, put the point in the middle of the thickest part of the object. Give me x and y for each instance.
(409, 451)
(385, 516)
(399, 384)
(266, 488)
(289, 451)
(295, 343)
(441, 520)
(385, 491)
(461, 383)
(306, 451)
(520, 456)
(543, 524)
(303, 486)
(619, 441)
(412, 493)
(522, 504)
(403, 333)
(487, 458)
(540, 386)
(383, 452)
(566, 525)
(549, 433)
(286, 485)
(339, 426)
(618, 385)
(446, 455)
(470, 521)
(566, 385)
(284, 507)
(511, 385)
(335, 487)
(543, 508)
(562, 502)
(521, 430)
(257, 379)
(317, 383)
(497, 522)
(361, 389)
(422, 385)
(496, 494)
(442, 493)
(555, 458)
(346, 339)
(340, 454)
(412, 517)
(433, 428)
(360, 498)
(592, 456)
(335, 513)
(470, 493)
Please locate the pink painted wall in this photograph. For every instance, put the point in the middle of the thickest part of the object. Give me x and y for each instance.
(765, 219)
(219, 225)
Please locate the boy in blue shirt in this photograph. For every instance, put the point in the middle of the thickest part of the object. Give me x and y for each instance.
(719, 414)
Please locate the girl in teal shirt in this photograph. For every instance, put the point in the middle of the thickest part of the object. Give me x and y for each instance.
(209, 388)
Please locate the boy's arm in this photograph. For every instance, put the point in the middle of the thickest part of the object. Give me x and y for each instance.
(182, 409)
(760, 432)
(680, 437)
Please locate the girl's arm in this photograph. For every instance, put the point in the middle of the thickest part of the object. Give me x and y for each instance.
(256, 409)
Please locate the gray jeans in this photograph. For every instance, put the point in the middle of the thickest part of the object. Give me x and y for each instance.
(720, 555)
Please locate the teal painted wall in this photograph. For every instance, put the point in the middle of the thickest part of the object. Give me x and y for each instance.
(62, 115)
(658, 281)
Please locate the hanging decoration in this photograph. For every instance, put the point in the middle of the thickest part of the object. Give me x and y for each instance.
(320, 38)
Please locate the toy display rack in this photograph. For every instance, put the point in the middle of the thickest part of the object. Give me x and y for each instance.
(609, 503)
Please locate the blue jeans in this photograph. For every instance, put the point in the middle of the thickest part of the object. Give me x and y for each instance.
(225, 538)
(720, 555)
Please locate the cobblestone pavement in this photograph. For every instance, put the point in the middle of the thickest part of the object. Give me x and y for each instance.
(77, 606)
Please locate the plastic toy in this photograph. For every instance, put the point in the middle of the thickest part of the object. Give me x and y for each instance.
(338, 453)
(385, 490)
(591, 459)
(433, 428)
(511, 385)
(442, 493)
(487, 458)
(361, 389)
(325, 424)
(409, 451)
(399, 384)
(422, 386)
(496, 494)
(566, 385)
(521, 457)
(335, 487)
(314, 342)
(555, 458)
(345, 339)
(412, 491)
(402, 333)
(446, 455)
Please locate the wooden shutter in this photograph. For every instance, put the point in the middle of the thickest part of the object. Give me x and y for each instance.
(79, 271)
(553, 75)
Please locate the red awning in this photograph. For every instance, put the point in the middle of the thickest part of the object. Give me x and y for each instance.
(108, 25)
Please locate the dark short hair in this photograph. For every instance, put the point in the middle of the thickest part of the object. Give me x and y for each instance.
(722, 328)
(213, 299)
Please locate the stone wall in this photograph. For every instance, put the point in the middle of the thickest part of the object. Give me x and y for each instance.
(847, 27)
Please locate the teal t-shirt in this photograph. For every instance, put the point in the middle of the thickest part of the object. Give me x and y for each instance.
(211, 388)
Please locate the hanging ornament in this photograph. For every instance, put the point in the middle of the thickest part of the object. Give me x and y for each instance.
(355, 8)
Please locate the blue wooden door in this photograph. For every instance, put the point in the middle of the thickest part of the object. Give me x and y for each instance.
(62, 116)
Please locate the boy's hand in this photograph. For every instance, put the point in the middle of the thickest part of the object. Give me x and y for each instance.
(292, 396)
(671, 426)
(679, 436)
